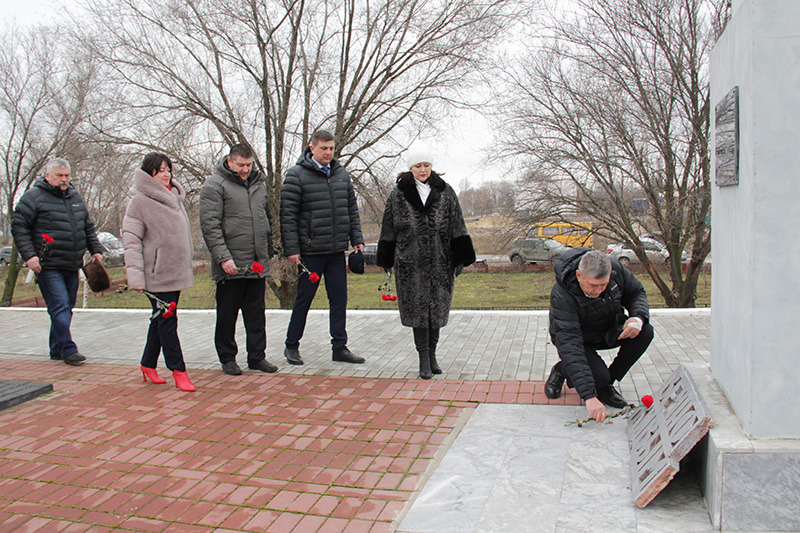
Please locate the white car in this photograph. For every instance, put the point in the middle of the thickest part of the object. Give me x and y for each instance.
(656, 252)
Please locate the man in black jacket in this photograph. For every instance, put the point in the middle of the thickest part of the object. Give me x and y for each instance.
(587, 307)
(53, 229)
(319, 220)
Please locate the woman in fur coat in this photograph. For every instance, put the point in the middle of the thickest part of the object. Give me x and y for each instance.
(158, 259)
(425, 240)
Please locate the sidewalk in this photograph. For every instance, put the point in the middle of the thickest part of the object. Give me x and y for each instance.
(322, 447)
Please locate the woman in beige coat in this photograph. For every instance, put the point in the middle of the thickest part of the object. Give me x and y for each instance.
(158, 259)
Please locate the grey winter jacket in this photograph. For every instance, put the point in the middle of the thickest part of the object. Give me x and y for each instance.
(319, 215)
(577, 320)
(157, 237)
(60, 214)
(236, 221)
(425, 245)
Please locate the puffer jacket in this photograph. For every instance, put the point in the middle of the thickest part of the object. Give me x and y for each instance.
(157, 237)
(425, 245)
(62, 215)
(577, 320)
(236, 221)
(319, 215)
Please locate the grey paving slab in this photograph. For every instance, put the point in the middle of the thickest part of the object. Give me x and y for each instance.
(501, 345)
(16, 392)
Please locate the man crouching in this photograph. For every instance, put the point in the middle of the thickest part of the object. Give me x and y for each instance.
(588, 307)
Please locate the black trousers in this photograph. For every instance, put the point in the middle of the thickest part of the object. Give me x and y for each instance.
(163, 335)
(332, 268)
(630, 350)
(247, 295)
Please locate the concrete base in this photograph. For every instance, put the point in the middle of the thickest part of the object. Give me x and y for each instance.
(748, 484)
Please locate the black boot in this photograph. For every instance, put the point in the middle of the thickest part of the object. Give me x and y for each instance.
(425, 365)
(433, 339)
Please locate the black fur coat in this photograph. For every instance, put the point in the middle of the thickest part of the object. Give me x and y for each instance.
(425, 245)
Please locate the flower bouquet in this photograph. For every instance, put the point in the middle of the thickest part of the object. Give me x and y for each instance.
(386, 289)
(166, 309)
(646, 400)
(256, 267)
(313, 277)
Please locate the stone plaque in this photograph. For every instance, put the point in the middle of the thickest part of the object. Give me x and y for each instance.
(726, 137)
(663, 434)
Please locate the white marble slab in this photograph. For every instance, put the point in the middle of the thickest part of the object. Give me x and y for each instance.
(518, 468)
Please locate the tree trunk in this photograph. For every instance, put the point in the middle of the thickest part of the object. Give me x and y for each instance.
(11, 278)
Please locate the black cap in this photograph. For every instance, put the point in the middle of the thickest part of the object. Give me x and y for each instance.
(356, 262)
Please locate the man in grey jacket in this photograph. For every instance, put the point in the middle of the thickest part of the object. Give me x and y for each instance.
(319, 220)
(237, 228)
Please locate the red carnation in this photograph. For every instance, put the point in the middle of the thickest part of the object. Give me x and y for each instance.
(394, 298)
(385, 297)
(257, 267)
(313, 277)
(170, 309)
(647, 400)
(47, 238)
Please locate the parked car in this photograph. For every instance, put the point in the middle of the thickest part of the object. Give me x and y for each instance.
(114, 255)
(656, 252)
(535, 250)
(370, 253)
(5, 256)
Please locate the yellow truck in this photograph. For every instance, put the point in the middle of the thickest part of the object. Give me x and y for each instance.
(572, 234)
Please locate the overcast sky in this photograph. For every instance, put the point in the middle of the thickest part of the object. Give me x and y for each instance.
(459, 152)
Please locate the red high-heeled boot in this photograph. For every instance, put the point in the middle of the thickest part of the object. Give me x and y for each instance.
(152, 374)
(182, 381)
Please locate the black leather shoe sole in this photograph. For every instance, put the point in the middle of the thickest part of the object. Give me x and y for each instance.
(611, 397)
(348, 357)
(74, 359)
(292, 357)
(554, 384)
(232, 369)
(264, 366)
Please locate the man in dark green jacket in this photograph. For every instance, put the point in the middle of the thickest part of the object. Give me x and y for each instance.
(596, 304)
(237, 228)
(53, 229)
(319, 221)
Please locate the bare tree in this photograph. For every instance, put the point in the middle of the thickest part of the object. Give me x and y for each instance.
(193, 77)
(43, 97)
(615, 106)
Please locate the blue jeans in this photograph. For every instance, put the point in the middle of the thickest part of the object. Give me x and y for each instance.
(60, 290)
(333, 269)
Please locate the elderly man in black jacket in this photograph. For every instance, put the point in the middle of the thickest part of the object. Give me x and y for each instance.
(587, 313)
(53, 229)
(319, 220)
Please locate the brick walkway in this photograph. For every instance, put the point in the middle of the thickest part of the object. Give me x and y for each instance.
(285, 452)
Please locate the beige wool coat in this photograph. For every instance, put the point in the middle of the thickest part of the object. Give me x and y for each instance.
(157, 237)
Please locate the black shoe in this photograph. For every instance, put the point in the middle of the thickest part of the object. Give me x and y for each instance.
(73, 359)
(231, 368)
(263, 366)
(346, 356)
(292, 355)
(609, 396)
(55, 357)
(554, 384)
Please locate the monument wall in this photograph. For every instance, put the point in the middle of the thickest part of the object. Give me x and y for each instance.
(755, 319)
